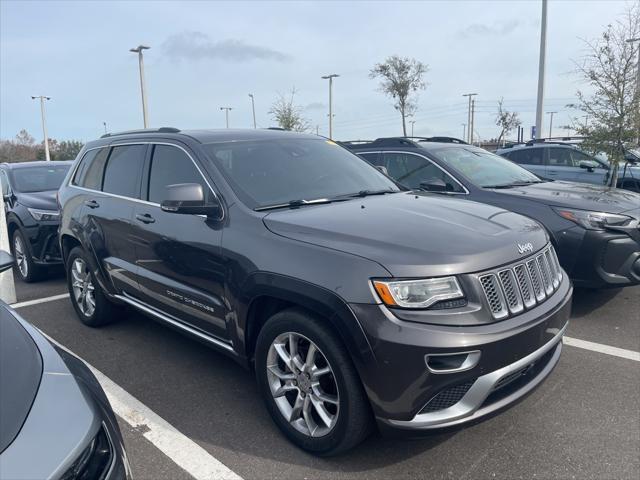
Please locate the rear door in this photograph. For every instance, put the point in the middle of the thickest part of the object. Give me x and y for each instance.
(179, 256)
(111, 184)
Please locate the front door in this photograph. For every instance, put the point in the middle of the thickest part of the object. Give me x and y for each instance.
(179, 256)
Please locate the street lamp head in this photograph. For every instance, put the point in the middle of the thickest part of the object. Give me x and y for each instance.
(251, 95)
(139, 48)
(333, 75)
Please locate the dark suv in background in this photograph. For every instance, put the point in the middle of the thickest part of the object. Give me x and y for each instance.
(353, 298)
(595, 230)
(29, 190)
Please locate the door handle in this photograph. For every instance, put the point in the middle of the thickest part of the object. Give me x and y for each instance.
(146, 218)
(91, 203)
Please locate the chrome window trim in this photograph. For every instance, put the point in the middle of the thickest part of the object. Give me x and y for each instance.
(138, 200)
(466, 191)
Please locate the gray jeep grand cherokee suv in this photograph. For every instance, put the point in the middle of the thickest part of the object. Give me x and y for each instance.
(352, 298)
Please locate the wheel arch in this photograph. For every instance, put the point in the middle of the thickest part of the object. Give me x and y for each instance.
(265, 294)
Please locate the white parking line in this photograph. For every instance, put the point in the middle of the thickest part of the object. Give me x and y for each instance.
(39, 300)
(601, 348)
(183, 451)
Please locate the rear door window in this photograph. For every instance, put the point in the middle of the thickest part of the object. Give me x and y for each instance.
(123, 170)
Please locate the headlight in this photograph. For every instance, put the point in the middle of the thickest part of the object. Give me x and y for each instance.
(594, 220)
(417, 293)
(43, 215)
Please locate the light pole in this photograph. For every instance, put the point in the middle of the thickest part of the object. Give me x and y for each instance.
(105, 127)
(541, 68)
(226, 113)
(253, 108)
(412, 122)
(143, 92)
(470, 95)
(633, 40)
(551, 123)
(44, 124)
(473, 119)
(330, 78)
(464, 130)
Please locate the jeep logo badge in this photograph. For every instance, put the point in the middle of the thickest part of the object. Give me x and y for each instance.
(525, 248)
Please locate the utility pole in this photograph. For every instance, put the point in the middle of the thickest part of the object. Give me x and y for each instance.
(469, 133)
(473, 119)
(253, 108)
(226, 113)
(44, 124)
(105, 127)
(330, 78)
(541, 68)
(464, 130)
(412, 122)
(143, 92)
(633, 40)
(317, 129)
(551, 123)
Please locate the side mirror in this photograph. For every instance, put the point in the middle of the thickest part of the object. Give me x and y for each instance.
(6, 261)
(588, 165)
(188, 198)
(434, 185)
(382, 169)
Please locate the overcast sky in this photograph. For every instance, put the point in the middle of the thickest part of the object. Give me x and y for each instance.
(205, 55)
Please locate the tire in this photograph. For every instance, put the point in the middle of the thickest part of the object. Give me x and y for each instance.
(338, 391)
(27, 270)
(89, 301)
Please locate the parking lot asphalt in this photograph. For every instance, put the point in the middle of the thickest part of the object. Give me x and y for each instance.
(583, 422)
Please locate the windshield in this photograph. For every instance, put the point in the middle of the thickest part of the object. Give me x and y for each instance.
(280, 171)
(484, 169)
(38, 179)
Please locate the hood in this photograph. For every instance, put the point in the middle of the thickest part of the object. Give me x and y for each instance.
(20, 373)
(42, 200)
(578, 195)
(413, 234)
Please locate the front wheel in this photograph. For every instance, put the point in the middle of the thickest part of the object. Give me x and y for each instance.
(310, 386)
(27, 270)
(89, 301)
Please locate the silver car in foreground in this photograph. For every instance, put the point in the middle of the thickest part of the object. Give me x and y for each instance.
(55, 420)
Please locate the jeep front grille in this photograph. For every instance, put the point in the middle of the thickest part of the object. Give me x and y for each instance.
(522, 286)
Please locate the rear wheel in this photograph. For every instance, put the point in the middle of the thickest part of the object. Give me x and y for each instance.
(89, 301)
(309, 384)
(27, 270)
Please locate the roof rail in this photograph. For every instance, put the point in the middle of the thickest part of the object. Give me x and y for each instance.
(442, 140)
(143, 130)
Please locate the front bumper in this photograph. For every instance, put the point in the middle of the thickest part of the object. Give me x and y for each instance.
(516, 355)
(43, 243)
(599, 259)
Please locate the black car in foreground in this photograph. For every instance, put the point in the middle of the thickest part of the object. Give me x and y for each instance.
(55, 420)
(29, 190)
(352, 298)
(595, 230)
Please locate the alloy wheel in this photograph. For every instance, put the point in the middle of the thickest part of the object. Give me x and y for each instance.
(21, 256)
(83, 288)
(303, 384)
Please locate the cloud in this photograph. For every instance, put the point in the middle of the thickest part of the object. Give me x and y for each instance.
(198, 46)
(483, 30)
(315, 106)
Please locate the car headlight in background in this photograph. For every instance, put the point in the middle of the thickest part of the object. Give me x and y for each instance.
(44, 215)
(417, 293)
(594, 220)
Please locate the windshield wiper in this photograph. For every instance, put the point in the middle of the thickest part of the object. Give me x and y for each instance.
(513, 184)
(294, 203)
(367, 193)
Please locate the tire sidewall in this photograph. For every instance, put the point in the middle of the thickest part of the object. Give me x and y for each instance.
(77, 252)
(31, 272)
(291, 321)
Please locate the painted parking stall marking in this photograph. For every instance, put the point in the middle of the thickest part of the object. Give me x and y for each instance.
(601, 348)
(37, 301)
(183, 451)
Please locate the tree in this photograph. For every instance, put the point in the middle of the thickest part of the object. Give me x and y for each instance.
(401, 78)
(609, 68)
(287, 114)
(506, 120)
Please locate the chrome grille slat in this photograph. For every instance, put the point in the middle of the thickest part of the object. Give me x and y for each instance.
(522, 286)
